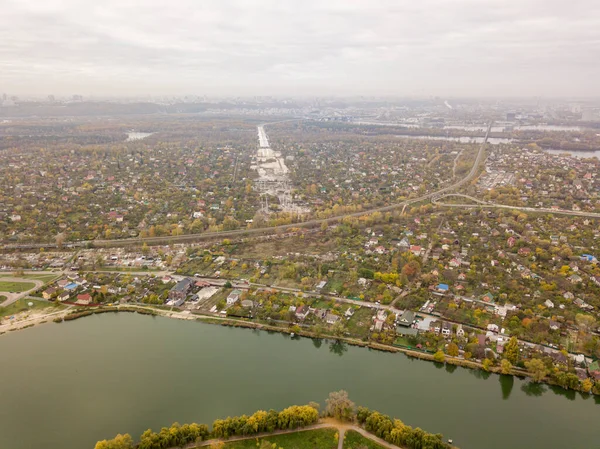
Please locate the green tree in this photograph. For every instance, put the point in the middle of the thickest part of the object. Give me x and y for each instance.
(536, 369)
(511, 351)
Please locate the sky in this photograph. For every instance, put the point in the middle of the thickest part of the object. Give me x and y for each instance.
(301, 47)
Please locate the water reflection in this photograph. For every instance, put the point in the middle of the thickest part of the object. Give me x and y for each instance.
(480, 374)
(338, 347)
(533, 389)
(317, 342)
(569, 394)
(507, 384)
(450, 368)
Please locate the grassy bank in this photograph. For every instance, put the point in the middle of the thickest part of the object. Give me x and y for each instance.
(309, 439)
(354, 440)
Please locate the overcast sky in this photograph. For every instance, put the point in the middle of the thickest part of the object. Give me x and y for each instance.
(261, 47)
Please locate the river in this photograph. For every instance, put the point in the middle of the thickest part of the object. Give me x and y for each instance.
(64, 386)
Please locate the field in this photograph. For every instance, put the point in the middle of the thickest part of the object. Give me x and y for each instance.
(360, 323)
(22, 305)
(34, 277)
(310, 439)
(15, 287)
(354, 440)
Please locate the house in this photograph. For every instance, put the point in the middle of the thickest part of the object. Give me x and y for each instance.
(407, 318)
(166, 279)
(84, 299)
(575, 279)
(321, 285)
(435, 327)
(63, 296)
(554, 325)
(416, 250)
(181, 289)
(493, 327)
(247, 303)
(460, 332)
(302, 312)
(233, 297)
(63, 283)
(331, 318)
(443, 288)
(47, 294)
(349, 312)
(446, 329)
(549, 304)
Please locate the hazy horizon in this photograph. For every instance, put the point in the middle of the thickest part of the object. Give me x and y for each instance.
(460, 48)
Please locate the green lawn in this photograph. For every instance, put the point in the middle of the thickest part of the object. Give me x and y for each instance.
(15, 287)
(360, 323)
(354, 440)
(310, 439)
(22, 305)
(35, 277)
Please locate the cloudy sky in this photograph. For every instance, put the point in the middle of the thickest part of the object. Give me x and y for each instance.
(300, 47)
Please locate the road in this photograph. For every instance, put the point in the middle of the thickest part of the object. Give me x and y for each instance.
(14, 297)
(294, 291)
(167, 240)
(482, 204)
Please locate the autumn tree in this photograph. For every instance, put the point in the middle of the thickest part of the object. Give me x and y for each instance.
(118, 442)
(340, 406)
(452, 350)
(506, 366)
(511, 351)
(536, 369)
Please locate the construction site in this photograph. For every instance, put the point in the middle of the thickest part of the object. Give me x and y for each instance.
(273, 177)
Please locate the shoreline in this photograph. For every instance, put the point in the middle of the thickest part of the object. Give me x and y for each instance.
(237, 323)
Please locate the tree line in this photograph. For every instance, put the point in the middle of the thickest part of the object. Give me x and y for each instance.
(178, 435)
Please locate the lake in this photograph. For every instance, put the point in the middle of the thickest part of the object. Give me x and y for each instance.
(579, 154)
(64, 386)
(463, 139)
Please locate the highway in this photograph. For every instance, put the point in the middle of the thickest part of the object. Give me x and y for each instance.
(481, 204)
(167, 240)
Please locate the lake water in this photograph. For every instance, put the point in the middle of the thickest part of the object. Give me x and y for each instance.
(579, 154)
(464, 139)
(499, 129)
(64, 386)
(137, 136)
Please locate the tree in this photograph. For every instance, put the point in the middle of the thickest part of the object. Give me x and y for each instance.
(118, 442)
(536, 369)
(506, 366)
(487, 364)
(227, 284)
(439, 357)
(340, 406)
(452, 350)
(585, 322)
(511, 351)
